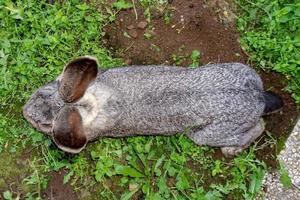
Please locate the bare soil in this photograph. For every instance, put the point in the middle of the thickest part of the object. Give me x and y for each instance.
(194, 25)
(13, 171)
(206, 26)
(57, 189)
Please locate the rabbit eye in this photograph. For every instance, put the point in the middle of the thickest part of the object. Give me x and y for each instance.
(57, 105)
(58, 101)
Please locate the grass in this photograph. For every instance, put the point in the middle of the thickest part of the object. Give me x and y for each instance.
(271, 35)
(154, 5)
(36, 40)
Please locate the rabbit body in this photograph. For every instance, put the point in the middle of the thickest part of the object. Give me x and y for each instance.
(215, 104)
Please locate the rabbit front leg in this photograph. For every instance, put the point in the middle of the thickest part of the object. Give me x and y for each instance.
(247, 139)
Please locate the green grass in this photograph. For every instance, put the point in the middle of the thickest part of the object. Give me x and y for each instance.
(36, 40)
(271, 35)
(153, 5)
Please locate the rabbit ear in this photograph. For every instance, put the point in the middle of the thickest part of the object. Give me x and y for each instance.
(76, 77)
(68, 133)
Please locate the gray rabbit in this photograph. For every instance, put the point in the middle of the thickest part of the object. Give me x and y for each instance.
(217, 104)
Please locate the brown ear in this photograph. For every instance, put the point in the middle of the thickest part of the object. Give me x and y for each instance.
(76, 77)
(68, 132)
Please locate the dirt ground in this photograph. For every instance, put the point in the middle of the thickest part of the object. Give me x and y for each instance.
(57, 190)
(206, 26)
(194, 25)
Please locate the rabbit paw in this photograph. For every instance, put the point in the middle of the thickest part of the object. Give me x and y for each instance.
(229, 152)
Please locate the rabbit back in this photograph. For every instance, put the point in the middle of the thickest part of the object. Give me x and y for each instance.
(165, 100)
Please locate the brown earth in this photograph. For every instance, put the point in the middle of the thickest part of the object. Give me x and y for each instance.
(194, 26)
(208, 27)
(14, 169)
(56, 190)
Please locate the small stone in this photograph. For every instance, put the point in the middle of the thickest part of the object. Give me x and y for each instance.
(297, 181)
(142, 24)
(130, 27)
(128, 61)
(132, 186)
(133, 33)
(153, 33)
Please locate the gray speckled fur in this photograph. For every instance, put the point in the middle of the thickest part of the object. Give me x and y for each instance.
(217, 104)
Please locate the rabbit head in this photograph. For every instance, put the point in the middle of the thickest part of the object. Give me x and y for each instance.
(50, 109)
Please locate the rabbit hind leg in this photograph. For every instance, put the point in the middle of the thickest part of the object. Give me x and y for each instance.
(247, 138)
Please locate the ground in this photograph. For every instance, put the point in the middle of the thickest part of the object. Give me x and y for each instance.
(57, 190)
(171, 33)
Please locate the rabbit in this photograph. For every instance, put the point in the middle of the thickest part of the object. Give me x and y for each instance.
(219, 105)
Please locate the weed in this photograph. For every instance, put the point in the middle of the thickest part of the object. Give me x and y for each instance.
(166, 173)
(153, 5)
(37, 178)
(167, 16)
(195, 57)
(148, 35)
(155, 48)
(178, 59)
(8, 196)
(284, 176)
(121, 4)
(270, 33)
(218, 168)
